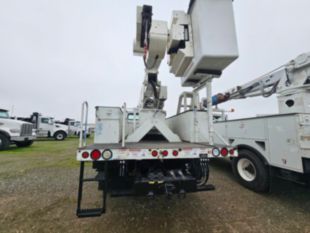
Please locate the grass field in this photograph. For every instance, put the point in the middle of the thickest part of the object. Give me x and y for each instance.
(38, 188)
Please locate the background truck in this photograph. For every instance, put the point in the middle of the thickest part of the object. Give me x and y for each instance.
(277, 144)
(140, 151)
(45, 127)
(14, 131)
(74, 127)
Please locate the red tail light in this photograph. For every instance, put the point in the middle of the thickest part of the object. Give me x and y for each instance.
(164, 153)
(224, 152)
(232, 151)
(175, 153)
(95, 154)
(154, 153)
(85, 155)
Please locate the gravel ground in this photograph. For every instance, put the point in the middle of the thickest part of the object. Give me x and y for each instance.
(38, 188)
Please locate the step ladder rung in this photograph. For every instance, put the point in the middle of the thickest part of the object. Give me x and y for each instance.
(96, 212)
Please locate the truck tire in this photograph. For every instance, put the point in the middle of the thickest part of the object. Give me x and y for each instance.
(24, 143)
(60, 136)
(4, 142)
(250, 171)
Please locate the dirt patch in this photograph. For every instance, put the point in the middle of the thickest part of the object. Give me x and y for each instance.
(43, 199)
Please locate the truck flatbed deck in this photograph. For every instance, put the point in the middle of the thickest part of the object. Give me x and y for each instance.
(147, 145)
(153, 150)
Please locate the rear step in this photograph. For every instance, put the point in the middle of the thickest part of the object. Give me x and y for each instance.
(206, 187)
(85, 213)
(95, 212)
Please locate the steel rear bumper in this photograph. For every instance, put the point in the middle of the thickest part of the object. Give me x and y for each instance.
(23, 138)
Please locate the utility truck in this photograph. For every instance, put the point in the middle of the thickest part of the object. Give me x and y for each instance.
(277, 144)
(75, 127)
(139, 151)
(45, 127)
(14, 131)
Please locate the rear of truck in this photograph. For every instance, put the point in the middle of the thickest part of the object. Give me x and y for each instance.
(149, 168)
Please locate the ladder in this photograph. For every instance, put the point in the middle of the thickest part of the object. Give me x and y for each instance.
(101, 178)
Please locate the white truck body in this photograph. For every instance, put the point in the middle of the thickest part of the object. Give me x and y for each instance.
(283, 140)
(276, 144)
(18, 130)
(48, 128)
(15, 131)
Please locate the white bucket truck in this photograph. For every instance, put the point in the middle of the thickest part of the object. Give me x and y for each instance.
(277, 144)
(139, 151)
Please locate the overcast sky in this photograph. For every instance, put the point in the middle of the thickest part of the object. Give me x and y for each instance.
(54, 54)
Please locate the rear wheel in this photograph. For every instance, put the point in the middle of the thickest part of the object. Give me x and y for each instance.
(4, 142)
(24, 143)
(250, 171)
(59, 136)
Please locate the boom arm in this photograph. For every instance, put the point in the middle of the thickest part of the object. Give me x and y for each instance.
(200, 43)
(287, 79)
(150, 43)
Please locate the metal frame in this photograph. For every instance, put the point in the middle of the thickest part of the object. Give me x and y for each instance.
(175, 182)
(95, 212)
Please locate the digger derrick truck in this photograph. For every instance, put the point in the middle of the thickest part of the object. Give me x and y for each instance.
(277, 144)
(139, 151)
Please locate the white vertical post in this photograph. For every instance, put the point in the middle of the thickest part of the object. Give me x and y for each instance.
(123, 125)
(83, 114)
(86, 122)
(210, 110)
(81, 125)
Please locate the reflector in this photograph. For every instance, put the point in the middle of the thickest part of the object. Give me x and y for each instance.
(164, 153)
(154, 153)
(215, 152)
(85, 155)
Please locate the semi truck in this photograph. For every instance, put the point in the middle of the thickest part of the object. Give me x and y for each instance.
(275, 144)
(140, 151)
(14, 131)
(45, 126)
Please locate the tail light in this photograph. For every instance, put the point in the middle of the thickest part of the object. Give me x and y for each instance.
(216, 152)
(175, 153)
(224, 152)
(154, 153)
(164, 153)
(85, 155)
(232, 151)
(95, 154)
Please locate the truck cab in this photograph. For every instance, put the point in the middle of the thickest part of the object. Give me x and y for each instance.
(46, 127)
(14, 131)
